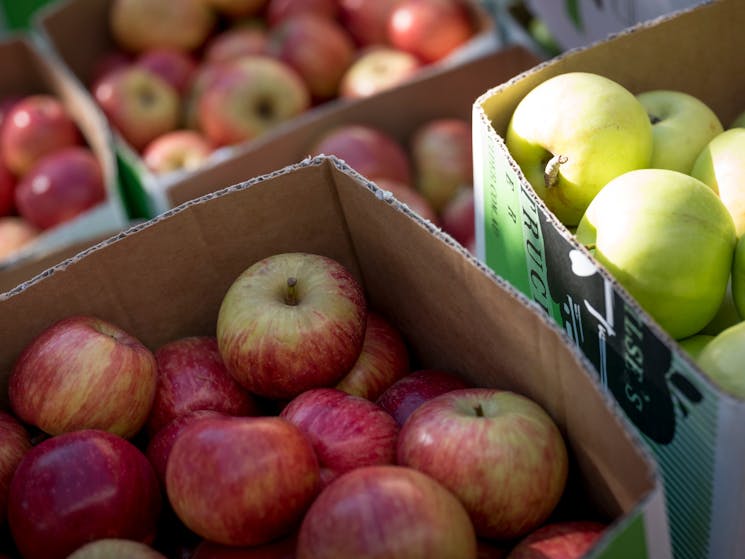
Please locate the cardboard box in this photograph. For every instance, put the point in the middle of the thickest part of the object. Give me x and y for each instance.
(77, 30)
(693, 428)
(166, 278)
(27, 69)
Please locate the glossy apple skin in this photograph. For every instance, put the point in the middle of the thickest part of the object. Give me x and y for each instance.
(459, 216)
(386, 511)
(15, 233)
(177, 150)
(407, 394)
(559, 540)
(83, 372)
(175, 66)
(192, 376)
(35, 126)
(241, 481)
(498, 451)
(102, 485)
(384, 359)
(277, 347)
(367, 21)
(14, 443)
(376, 69)
(278, 10)
(346, 431)
(280, 549)
(60, 187)
(234, 43)
(115, 548)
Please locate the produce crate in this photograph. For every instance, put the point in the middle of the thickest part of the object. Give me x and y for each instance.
(77, 30)
(693, 428)
(27, 69)
(166, 278)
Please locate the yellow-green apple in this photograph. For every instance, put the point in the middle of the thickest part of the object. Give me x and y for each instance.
(561, 539)
(375, 69)
(407, 394)
(177, 150)
(369, 150)
(720, 165)
(737, 279)
(386, 511)
(642, 225)
(139, 25)
(572, 134)
(60, 186)
(694, 345)
(84, 372)
(738, 121)
(7, 190)
(78, 487)
(721, 359)
(727, 315)
(283, 548)
(35, 126)
(175, 66)
(367, 21)
(429, 29)
(277, 10)
(290, 322)
(15, 442)
(443, 158)
(241, 481)
(15, 234)
(319, 49)
(346, 431)
(238, 8)
(115, 548)
(249, 96)
(682, 125)
(139, 104)
(499, 452)
(458, 216)
(408, 195)
(384, 359)
(236, 42)
(192, 376)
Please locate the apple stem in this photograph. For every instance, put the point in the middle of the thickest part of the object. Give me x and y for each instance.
(653, 119)
(590, 246)
(291, 295)
(479, 410)
(551, 174)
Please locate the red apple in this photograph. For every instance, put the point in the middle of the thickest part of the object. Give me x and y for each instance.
(15, 234)
(140, 104)
(386, 511)
(106, 63)
(7, 190)
(192, 376)
(371, 152)
(248, 97)
(84, 372)
(318, 48)
(14, 444)
(407, 195)
(346, 431)
(407, 394)
(291, 322)
(458, 217)
(383, 360)
(571, 539)
(35, 126)
(177, 150)
(377, 69)
(115, 548)
(78, 487)
(429, 29)
(442, 155)
(277, 10)
(60, 187)
(175, 66)
(235, 42)
(206, 74)
(498, 451)
(241, 481)
(238, 8)
(280, 549)
(7, 102)
(140, 25)
(367, 21)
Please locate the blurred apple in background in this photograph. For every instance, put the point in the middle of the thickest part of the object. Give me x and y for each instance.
(235, 42)
(376, 69)
(694, 345)
(108, 62)
(559, 540)
(14, 444)
(139, 104)
(206, 74)
(458, 216)
(78, 487)
(277, 10)
(139, 25)
(35, 126)
(115, 548)
(429, 29)
(7, 190)
(176, 67)
(408, 195)
(15, 233)
(237, 8)
(177, 150)
(7, 102)
(367, 21)
(361, 514)
(59, 187)
(249, 96)
(318, 48)
(84, 372)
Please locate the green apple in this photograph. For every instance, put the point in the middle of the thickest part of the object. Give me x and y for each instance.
(739, 121)
(726, 316)
(738, 276)
(721, 165)
(722, 359)
(694, 345)
(572, 134)
(669, 240)
(682, 125)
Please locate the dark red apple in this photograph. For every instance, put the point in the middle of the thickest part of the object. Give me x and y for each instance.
(277, 10)
(108, 62)
(367, 21)
(7, 190)
(175, 66)
(14, 443)
(570, 539)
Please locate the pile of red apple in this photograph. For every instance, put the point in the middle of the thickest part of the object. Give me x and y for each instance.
(300, 429)
(190, 76)
(48, 174)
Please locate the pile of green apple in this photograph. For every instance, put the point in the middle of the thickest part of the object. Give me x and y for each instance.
(654, 186)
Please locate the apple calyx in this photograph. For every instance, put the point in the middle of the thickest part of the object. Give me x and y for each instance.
(479, 410)
(551, 174)
(291, 293)
(653, 119)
